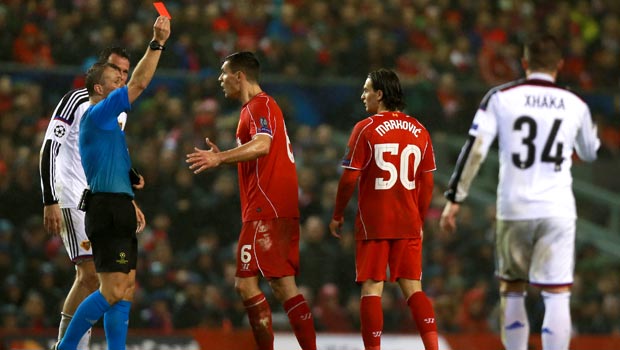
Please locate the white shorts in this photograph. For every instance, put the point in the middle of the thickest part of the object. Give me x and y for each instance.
(540, 251)
(73, 234)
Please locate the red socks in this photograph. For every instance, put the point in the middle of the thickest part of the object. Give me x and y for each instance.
(371, 314)
(259, 314)
(301, 320)
(424, 316)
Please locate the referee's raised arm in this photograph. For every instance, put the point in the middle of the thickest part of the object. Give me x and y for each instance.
(145, 69)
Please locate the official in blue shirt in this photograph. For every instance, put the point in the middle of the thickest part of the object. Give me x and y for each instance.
(103, 148)
(112, 218)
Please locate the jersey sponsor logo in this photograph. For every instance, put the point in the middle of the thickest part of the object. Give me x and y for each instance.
(264, 126)
(544, 101)
(388, 125)
(122, 258)
(60, 131)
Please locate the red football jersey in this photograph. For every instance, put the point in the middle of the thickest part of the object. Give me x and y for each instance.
(390, 149)
(268, 185)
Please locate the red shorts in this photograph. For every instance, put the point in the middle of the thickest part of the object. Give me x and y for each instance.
(270, 247)
(403, 256)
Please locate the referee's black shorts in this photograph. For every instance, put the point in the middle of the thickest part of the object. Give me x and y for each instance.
(111, 227)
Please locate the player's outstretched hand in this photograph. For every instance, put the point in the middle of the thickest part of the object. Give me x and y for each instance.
(202, 160)
(335, 226)
(447, 222)
(213, 146)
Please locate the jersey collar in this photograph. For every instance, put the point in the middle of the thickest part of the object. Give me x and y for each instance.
(540, 76)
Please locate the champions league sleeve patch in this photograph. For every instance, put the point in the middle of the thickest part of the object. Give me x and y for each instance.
(346, 159)
(264, 127)
(60, 131)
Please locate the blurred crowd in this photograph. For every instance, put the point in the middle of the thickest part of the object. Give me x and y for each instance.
(186, 268)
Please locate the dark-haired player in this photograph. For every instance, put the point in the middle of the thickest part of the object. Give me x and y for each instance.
(538, 125)
(269, 241)
(390, 159)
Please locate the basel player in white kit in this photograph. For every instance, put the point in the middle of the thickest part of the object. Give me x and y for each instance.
(391, 155)
(538, 125)
(62, 183)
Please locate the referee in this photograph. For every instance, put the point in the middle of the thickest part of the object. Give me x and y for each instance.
(62, 183)
(111, 214)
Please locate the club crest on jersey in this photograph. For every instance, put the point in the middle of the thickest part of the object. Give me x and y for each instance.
(60, 131)
(265, 242)
(85, 245)
(264, 126)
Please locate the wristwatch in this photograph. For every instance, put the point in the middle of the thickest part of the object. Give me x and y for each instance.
(154, 45)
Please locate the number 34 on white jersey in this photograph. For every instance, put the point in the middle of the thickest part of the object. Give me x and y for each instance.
(538, 125)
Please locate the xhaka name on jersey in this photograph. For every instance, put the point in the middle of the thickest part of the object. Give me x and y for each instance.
(544, 101)
(392, 124)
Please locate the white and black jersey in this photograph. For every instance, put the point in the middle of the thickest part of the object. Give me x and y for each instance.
(60, 165)
(538, 125)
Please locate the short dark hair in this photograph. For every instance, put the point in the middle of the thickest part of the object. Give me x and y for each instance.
(117, 50)
(94, 75)
(246, 62)
(543, 52)
(387, 81)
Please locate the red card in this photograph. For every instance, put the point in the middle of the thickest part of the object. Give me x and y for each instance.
(161, 9)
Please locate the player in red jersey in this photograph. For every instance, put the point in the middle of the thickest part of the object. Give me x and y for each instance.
(269, 239)
(391, 155)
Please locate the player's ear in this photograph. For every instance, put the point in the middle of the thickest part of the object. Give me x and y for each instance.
(98, 89)
(524, 64)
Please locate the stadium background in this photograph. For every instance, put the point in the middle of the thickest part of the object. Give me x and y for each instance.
(315, 57)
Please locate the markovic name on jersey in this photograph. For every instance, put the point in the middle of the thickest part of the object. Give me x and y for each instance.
(388, 125)
(544, 101)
